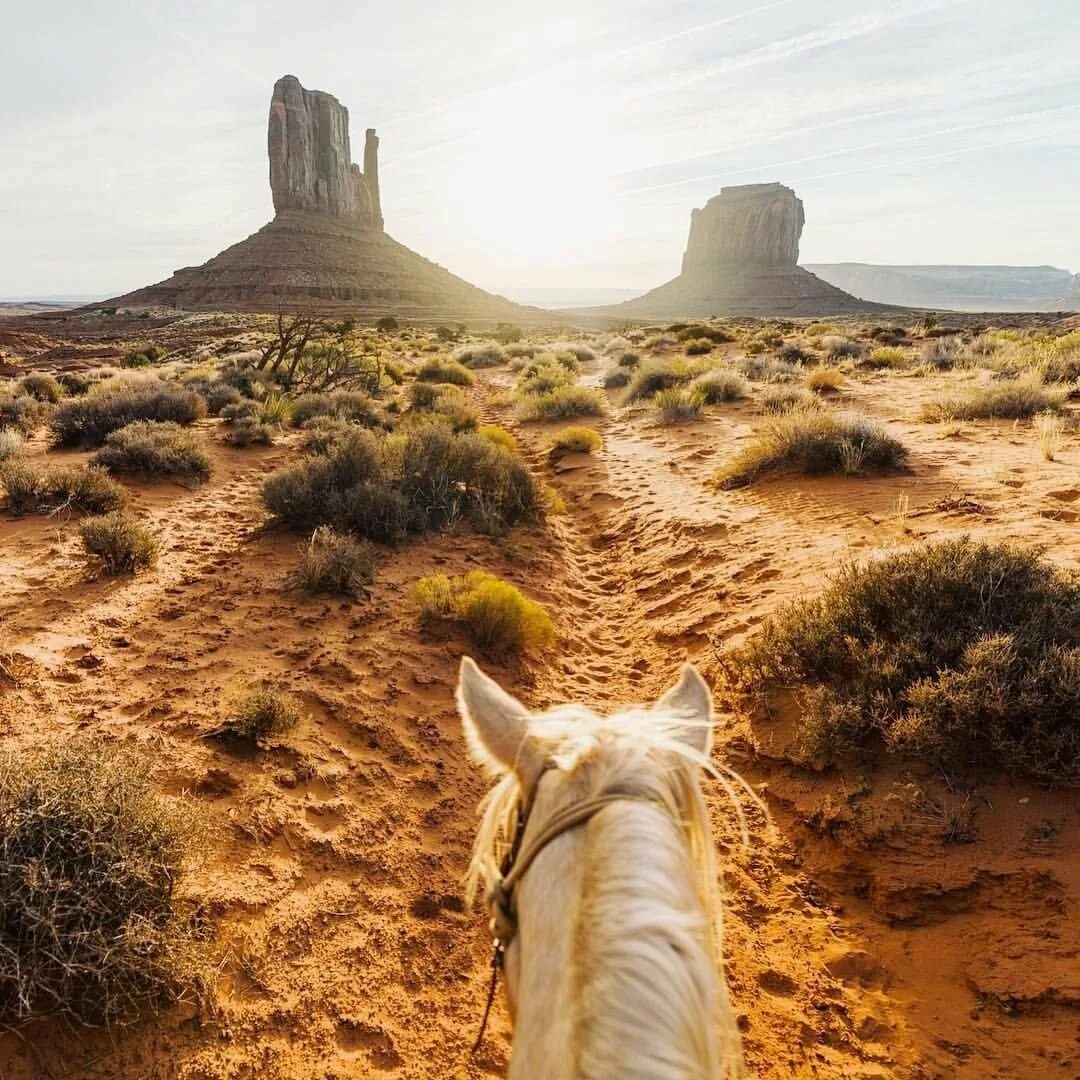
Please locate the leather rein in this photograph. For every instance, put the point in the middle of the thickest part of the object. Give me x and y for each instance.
(518, 860)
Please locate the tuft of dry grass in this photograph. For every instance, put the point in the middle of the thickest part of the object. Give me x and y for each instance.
(576, 440)
(499, 436)
(155, 448)
(886, 356)
(121, 543)
(498, 617)
(90, 860)
(812, 441)
(12, 442)
(957, 652)
(33, 487)
(824, 380)
(259, 714)
(678, 404)
(1012, 399)
(439, 369)
(720, 385)
(1050, 429)
(561, 403)
(483, 355)
(778, 399)
(336, 563)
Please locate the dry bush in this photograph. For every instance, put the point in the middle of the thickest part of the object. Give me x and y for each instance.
(1013, 399)
(577, 349)
(778, 399)
(812, 441)
(547, 372)
(438, 369)
(483, 355)
(705, 332)
(442, 404)
(259, 714)
(820, 329)
(1049, 427)
(41, 386)
(629, 359)
(497, 616)
(838, 347)
(957, 652)
(90, 860)
(720, 385)
(517, 350)
(767, 369)
(32, 487)
(678, 404)
(941, 354)
(153, 448)
(12, 442)
(23, 414)
(616, 379)
(576, 440)
(698, 347)
(499, 436)
(887, 356)
(421, 479)
(332, 562)
(86, 421)
(352, 405)
(250, 431)
(655, 375)
(824, 380)
(119, 541)
(562, 403)
(325, 433)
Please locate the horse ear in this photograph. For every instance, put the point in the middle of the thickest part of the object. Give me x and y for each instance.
(691, 698)
(495, 723)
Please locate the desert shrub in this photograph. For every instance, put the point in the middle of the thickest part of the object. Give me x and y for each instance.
(142, 356)
(824, 380)
(655, 375)
(218, 395)
(705, 332)
(718, 385)
(447, 405)
(251, 431)
(812, 441)
(385, 324)
(74, 382)
(449, 333)
(629, 359)
(698, 347)
(561, 403)
(575, 440)
(11, 443)
(497, 616)
(577, 349)
(956, 652)
(420, 479)
(90, 859)
(616, 379)
(886, 356)
(24, 414)
(794, 354)
(659, 341)
(837, 347)
(820, 329)
(507, 333)
(351, 405)
(767, 369)
(499, 436)
(324, 433)
(438, 369)
(273, 410)
(1014, 399)
(257, 715)
(332, 562)
(940, 353)
(244, 409)
(678, 403)
(486, 354)
(121, 543)
(33, 487)
(153, 448)
(545, 373)
(778, 399)
(517, 350)
(424, 395)
(41, 386)
(88, 420)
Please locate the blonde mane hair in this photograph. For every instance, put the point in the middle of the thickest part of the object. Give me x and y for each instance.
(658, 954)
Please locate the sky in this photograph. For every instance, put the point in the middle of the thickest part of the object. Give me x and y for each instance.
(555, 145)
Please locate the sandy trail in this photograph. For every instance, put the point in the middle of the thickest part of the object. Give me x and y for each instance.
(860, 944)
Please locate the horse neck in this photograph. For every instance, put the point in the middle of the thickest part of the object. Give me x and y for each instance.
(612, 971)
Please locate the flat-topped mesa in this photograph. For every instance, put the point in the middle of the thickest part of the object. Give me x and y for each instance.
(749, 225)
(311, 161)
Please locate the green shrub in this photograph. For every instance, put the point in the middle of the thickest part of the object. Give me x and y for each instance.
(420, 479)
(386, 324)
(955, 652)
(142, 356)
(616, 379)
(33, 487)
(812, 441)
(332, 562)
(1014, 399)
(655, 375)
(678, 403)
(23, 414)
(546, 372)
(575, 440)
(155, 448)
(119, 541)
(497, 616)
(629, 360)
(486, 354)
(90, 860)
(41, 386)
(438, 369)
(86, 421)
(719, 385)
(507, 333)
(562, 403)
(259, 714)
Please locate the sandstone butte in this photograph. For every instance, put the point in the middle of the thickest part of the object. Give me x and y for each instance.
(326, 248)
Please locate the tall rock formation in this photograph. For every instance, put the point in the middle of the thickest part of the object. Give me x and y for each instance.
(741, 259)
(326, 249)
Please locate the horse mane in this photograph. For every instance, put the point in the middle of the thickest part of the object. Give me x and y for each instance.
(646, 749)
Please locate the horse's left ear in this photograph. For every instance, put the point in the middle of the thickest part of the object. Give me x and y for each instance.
(692, 699)
(495, 724)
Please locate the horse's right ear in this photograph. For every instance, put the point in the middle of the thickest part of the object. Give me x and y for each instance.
(495, 723)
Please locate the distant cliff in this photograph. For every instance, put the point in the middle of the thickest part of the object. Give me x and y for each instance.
(962, 288)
